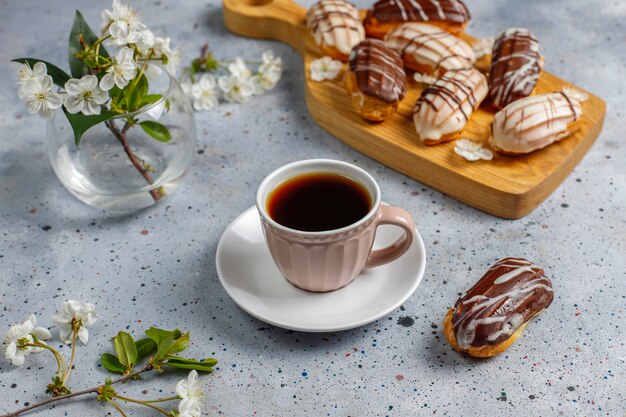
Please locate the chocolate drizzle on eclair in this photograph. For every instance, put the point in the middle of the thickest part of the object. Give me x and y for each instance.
(335, 23)
(430, 49)
(446, 106)
(378, 70)
(515, 66)
(535, 122)
(510, 293)
(453, 11)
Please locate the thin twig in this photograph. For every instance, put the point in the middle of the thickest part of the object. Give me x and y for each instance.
(71, 364)
(117, 407)
(121, 137)
(93, 390)
(56, 354)
(154, 407)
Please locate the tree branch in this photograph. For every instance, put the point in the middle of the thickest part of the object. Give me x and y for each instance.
(121, 136)
(94, 390)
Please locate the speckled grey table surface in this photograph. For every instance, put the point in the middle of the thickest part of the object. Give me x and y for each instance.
(157, 267)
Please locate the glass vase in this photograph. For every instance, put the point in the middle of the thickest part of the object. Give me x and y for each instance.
(120, 167)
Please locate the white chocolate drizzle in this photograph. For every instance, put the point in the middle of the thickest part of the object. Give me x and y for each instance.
(500, 309)
(514, 74)
(430, 46)
(335, 23)
(535, 122)
(450, 11)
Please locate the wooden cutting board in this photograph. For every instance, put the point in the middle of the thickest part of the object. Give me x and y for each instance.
(506, 186)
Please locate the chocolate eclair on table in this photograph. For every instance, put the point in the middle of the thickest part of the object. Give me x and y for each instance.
(375, 80)
(386, 15)
(537, 121)
(336, 27)
(443, 109)
(489, 317)
(515, 66)
(430, 50)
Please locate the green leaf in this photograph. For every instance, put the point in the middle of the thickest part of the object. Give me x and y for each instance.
(80, 27)
(59, 77)
(144, 348)
(134, 93)
(126, 350)
(163, 339)
(81, 123)
(111, 363)
(156, 130)
(183, 363)
(179, 345)
(150, 98)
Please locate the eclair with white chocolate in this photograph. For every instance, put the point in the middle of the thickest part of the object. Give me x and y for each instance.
(430, 50)
(489, 317)
(535, 122)
(445, 107)
(336, 27)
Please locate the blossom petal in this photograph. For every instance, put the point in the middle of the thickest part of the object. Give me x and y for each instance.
(225, 83)
(181, 388)
(10, 350)
(39, 69)
(91, 107)
(83, 334)
(41, 333)
(65, 334)
(55, 100)
(73, 87)
(107, 82)
(46, 113)
(89, 82)
(74, 104)
(60, 319)
(72, 307)
(485, 154)
(19, 358)
(28, 326)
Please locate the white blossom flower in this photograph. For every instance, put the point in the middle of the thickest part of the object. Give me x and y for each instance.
(204, 93)
(174, 60)
(171, 57)
(270, 63)
(145, 41)
(190, 392)
(270, 72)
(471, 150)
(123, 24)
(325, 68)
(236, 89)
(21, 335)
(121, 71)
(75, 314)
(27, 75)
(238, 68)
(40, 97)
(84, 95)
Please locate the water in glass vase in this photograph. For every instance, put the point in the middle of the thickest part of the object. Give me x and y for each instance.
(118, 166)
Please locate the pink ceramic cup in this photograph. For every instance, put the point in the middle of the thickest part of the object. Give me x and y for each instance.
(331, 259)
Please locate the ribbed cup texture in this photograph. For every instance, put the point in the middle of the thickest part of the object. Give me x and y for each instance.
(320, 263)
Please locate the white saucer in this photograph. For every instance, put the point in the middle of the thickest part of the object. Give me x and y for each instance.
(249, 275)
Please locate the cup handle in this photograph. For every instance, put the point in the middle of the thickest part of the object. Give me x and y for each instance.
(397, 217)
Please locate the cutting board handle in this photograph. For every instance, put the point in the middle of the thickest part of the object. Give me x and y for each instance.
(282, 20)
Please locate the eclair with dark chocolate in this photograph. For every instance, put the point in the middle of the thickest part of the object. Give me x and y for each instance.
(489, 317)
